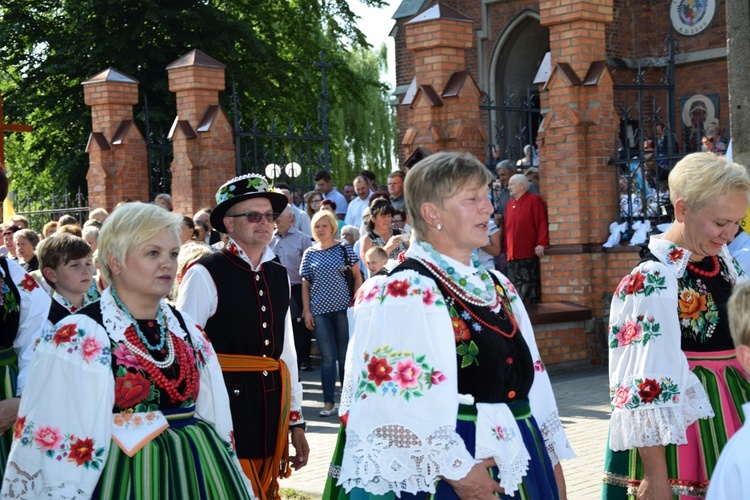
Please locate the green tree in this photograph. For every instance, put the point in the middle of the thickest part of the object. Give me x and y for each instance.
(48, 47)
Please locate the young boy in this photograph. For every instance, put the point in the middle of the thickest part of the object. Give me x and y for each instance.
(730, 478)
(376, 259)
(66, 264)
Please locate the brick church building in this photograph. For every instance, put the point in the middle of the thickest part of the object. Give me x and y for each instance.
(587, 81)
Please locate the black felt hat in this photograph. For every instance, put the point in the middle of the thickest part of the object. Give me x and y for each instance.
(244, 187)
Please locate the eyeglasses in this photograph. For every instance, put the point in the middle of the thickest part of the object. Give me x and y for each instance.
(316, 201)
(256, 217)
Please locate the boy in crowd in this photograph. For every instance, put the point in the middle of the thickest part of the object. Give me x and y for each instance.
(730, 478)
(376, 260)
(66, 264)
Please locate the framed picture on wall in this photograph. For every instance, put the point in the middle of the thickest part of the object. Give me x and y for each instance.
(699, 112)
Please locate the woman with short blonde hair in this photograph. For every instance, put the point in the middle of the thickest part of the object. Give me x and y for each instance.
(676, 386)
(325, 298)
(444, 375)
(131, 366)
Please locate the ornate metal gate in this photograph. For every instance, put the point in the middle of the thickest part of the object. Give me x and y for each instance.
(284, 152)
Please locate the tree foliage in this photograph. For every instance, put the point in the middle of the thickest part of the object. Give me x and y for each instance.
(48, 47)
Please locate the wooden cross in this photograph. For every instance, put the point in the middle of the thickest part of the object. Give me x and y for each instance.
(8, 127)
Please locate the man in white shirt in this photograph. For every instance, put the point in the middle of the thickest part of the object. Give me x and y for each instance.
(324, 185)
(358, 203)
(240, 297)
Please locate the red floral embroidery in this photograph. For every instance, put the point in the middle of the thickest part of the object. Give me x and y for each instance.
(676, 254)
(81, 451)
(20, 422)
(379, 370)
(460, 330)
(649, 390)
(295, 416)
(636, 283)
(64, 334)
(29, 283)
(398, 288)
(131, 390)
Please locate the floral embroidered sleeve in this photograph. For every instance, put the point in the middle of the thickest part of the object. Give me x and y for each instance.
(653, 394)
(34, 308)
(64, 427)
(541, 397)
(400, 389)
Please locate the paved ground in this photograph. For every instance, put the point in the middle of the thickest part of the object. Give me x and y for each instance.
(583, 401)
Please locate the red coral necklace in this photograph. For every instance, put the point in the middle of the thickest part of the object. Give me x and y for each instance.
(187, 372)
(706, 274)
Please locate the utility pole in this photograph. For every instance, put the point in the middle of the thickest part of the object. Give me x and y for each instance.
(738, 64)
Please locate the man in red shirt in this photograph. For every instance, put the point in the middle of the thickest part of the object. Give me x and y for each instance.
(526, 234)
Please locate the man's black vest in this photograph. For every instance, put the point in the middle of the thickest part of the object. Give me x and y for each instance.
(249, 320)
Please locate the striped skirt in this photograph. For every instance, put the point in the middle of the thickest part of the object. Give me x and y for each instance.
(690, 465)
(538, 484)
(8, 384)
(188, 460)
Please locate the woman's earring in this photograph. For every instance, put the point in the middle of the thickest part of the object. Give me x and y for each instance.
(439, 227)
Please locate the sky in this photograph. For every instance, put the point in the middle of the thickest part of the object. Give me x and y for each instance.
(376, 24)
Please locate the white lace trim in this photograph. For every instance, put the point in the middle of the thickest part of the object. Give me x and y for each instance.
(393, 458)
(19, 483)
(555, 439)
(510, 472)
(658, 426)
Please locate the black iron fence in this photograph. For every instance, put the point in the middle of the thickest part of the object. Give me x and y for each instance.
(512, 125)
(290, 152)
(40, 211)
(647, 147)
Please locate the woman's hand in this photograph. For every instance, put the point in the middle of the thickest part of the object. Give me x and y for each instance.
(309, 320)
(393, 243)
(8, 413)
(477, 484)
(655, 484)
(654, 490)
(539, 251)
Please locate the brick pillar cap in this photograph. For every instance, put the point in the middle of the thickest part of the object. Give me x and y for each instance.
(110, 75)
(196, 58)
(439, 11)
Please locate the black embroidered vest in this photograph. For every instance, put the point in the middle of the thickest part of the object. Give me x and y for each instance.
(496, 369)
(249, 320)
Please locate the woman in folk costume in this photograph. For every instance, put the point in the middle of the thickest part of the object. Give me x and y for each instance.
(676, 387)
(125, 399)
(23, 313)
(445, 392)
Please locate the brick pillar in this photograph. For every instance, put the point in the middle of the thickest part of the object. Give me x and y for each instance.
(577, 135)
(442, 106)
(118, 160)
(201, 134)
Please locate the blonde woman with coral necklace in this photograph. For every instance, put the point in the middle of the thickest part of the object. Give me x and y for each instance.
(126, 397)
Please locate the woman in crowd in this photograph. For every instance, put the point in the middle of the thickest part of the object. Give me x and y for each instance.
(313, 199)
(49, 228)
(23, 312)
(129, 367)
(187, 230)
(380, 233)
(676, 387)
(325, 299)
(444, 375)
(26, 241)
(526, 235)
(8, 242)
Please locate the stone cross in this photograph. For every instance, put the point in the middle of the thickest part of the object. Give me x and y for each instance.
(8, 127)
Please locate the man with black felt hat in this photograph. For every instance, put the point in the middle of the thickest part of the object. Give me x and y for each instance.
(240, 296)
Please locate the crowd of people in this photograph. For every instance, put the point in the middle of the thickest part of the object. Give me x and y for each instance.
(155, 355)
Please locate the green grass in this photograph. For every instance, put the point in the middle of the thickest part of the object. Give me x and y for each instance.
(292, 494)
